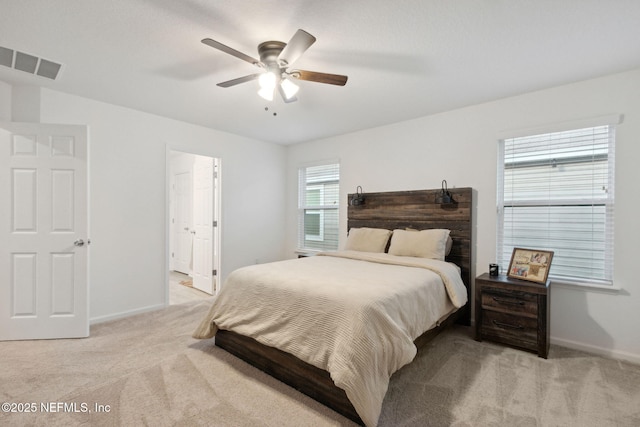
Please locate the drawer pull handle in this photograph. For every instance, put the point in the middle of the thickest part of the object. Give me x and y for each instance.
(507, 325)
(507, 301)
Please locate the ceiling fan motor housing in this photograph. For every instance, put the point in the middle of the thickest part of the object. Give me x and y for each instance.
(269, 52)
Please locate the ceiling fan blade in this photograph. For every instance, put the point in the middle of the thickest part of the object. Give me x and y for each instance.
(239, 80)
(298, 44)
(313, 76)
(226, 49)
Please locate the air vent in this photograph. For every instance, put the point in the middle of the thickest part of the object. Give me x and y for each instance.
(28, 63)
(6, 57)
(48, 69)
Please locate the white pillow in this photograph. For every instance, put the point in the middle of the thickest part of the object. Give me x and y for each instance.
(448, 246)
(423, 244)
(367, 239)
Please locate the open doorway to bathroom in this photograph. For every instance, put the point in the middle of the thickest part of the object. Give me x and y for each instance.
(194, 216)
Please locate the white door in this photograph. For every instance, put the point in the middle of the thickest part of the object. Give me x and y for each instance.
(203, 223)
(43, 231)
(182, 226)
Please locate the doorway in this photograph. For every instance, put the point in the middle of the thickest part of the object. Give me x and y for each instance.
(194, 218)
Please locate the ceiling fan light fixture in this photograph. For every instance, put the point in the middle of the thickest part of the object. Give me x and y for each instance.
(289, 88)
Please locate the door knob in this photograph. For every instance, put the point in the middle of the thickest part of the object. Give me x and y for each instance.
(79, 242)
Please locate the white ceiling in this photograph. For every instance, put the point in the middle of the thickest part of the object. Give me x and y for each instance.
(404, 58)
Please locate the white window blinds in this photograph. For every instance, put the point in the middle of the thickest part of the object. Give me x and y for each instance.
(556, 192)
(318, 204)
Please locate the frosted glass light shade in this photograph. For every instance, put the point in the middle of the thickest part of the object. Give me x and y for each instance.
(266, 93)
(267, 83)
(289, 88)
(267, 80)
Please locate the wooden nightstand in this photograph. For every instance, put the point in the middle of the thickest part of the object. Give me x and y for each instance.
(513, 312)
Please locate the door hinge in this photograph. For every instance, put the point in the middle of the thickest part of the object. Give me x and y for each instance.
(215, 223)
(214, 272)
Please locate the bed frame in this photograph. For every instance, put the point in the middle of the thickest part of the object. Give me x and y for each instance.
(391, 210)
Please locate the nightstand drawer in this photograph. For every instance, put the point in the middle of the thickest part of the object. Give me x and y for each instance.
(509, 326)
(510, 302)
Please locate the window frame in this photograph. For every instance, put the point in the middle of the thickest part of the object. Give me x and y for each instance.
(321, 208)
(609, 201)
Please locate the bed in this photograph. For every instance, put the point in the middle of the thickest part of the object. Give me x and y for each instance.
(337, 325)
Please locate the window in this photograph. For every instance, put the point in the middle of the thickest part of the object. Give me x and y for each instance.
(556, 192)
(318, 203)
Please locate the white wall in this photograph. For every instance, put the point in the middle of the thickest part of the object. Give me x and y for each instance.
(461, 147)
(25, 102)
(128, 198)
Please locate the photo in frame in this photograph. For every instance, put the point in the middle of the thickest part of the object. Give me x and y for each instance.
(530, 264)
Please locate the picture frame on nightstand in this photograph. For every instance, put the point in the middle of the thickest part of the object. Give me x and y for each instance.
(530, 264)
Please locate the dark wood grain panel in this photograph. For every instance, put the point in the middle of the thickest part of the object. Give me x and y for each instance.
(521, 303)
(510, 326)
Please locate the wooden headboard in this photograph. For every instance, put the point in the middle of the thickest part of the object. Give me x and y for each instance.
(418, 210)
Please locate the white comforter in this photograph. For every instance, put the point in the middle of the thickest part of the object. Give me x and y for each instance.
(353, 314)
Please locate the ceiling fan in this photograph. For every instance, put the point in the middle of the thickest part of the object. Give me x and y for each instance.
(276, 58)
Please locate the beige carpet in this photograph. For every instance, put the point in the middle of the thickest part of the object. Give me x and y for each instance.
(149, 371)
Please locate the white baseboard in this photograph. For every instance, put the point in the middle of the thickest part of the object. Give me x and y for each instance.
(600, 351)
(123, 314)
